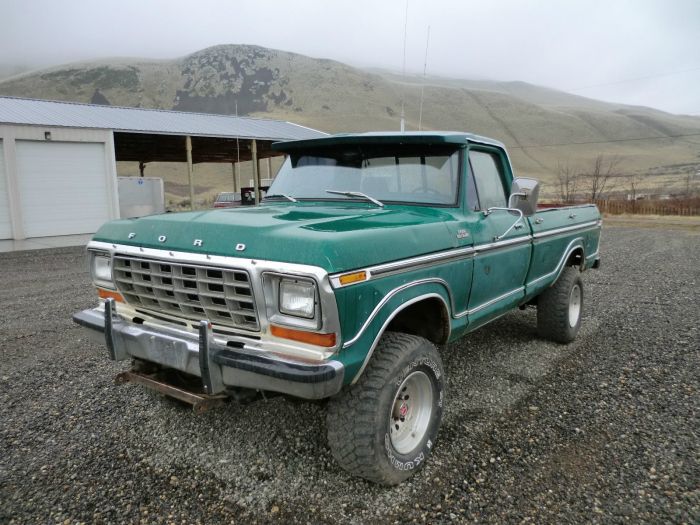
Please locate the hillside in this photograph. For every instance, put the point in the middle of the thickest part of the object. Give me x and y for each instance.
(541, 126)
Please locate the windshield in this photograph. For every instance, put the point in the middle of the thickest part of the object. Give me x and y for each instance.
(393, 174)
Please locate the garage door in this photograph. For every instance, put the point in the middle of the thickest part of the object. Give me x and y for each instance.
(63, 187)
(5, 227)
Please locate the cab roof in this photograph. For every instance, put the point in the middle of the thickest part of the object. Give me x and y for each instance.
(386, 137)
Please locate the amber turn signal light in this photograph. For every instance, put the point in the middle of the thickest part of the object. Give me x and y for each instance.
(109, 294)
(350, 278)
(326, 340)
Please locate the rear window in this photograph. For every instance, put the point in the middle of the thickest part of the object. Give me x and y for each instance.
(227, 197)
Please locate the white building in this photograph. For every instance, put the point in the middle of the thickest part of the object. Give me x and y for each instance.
(58, 172)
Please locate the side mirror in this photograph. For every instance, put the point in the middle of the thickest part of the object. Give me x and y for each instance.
(523, 196)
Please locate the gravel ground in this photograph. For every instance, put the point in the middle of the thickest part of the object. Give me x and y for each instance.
(605, 429)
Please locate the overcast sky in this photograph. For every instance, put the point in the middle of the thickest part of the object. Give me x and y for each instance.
(643, 52)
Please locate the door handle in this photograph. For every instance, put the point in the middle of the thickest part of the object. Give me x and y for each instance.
(539, 221)
(572, 216)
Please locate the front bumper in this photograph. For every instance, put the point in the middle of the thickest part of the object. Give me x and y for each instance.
(219, 366)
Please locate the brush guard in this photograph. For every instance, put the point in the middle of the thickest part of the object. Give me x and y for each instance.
(222, 369)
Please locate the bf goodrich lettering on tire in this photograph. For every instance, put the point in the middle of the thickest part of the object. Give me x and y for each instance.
(403, 386)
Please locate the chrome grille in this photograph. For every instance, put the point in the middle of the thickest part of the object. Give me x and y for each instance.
(224, 296)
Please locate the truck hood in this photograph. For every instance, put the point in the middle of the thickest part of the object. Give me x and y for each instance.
(336, 238)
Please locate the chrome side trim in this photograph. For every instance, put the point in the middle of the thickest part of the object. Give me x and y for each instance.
(423, 261)
(412, 263)
(566, 229)
(390, 295)
(417, 262)
(450, 309)
(490, 302)
(593, 255)
(578, 242)
(497, 245)
(438, 258)
(445, 284)
(386, 323)
(575, 206)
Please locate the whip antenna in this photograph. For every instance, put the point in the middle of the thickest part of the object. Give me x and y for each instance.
(422, 88)
(405, 30)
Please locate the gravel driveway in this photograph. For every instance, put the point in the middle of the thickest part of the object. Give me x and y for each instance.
(603, 430)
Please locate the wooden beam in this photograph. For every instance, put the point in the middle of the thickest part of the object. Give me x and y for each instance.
(147, 148)
(190, 169)
(256, 171)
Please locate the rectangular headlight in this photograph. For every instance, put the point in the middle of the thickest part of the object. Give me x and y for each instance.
(101, 269)
(297, 298)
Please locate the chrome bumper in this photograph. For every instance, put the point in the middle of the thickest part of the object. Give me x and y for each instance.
(219, 366)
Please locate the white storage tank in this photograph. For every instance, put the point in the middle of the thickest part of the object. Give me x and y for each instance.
(140, 196)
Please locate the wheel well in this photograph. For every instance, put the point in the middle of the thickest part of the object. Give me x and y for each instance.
(575, 258)
(427, 318)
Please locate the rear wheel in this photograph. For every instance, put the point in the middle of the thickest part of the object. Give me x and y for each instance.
(559, 307)
(383, 427)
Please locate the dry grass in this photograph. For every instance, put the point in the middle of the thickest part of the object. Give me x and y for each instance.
(541, 127)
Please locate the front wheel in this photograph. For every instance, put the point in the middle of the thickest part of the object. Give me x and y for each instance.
(559, 307)
(383, 428)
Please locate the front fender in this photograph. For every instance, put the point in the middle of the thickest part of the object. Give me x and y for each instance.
(358, 346)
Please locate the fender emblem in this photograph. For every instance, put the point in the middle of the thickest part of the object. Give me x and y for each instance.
(132, 235)
(240, 247)
(197, 242)
(461, 234)
(162, 238)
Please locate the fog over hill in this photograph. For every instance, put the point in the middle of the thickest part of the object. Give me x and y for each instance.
(542, 127)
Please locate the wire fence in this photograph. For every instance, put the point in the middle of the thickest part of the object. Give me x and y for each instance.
(678, 206)
(684, 207)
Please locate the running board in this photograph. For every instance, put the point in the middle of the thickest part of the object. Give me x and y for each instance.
(200, 402)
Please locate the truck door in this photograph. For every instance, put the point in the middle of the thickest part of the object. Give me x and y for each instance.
(501, 261)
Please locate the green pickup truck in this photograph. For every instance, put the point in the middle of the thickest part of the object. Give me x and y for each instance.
(368, 252)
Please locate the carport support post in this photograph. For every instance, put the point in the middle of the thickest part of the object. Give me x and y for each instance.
(260, 176)
(233, 170)
(256, 170)
(269, 167)
(188, 147)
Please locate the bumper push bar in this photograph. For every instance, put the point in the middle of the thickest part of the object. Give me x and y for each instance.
(219, 366)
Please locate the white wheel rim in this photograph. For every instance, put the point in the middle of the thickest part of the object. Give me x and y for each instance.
(574, 305)
(410, 414)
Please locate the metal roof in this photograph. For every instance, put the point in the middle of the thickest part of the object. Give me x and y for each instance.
(135, 120)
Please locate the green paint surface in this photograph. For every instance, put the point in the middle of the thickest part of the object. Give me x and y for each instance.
(340, 236)
(334, 236)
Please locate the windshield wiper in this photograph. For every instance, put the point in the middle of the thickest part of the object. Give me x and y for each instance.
(357, 194)
(281, 195)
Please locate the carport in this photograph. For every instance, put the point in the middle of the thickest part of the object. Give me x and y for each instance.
(58, 159)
